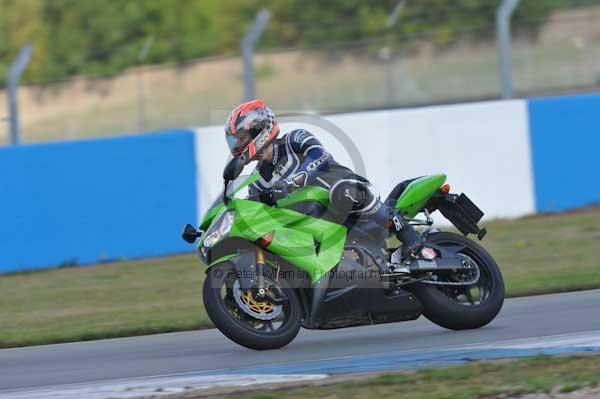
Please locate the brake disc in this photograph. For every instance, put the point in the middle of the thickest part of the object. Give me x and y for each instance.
(262, 309)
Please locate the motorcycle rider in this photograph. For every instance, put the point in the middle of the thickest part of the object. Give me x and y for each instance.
(297, 159)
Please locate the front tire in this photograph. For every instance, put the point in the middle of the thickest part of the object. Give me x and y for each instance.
(440, 302)
(239, 326)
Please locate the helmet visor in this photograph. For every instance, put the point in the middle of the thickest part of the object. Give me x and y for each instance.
(238, 142)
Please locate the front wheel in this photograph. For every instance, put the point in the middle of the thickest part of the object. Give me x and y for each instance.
(248, 319)
(459, 307)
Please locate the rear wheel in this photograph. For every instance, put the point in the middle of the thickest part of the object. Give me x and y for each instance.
(461, 307)
(253, 321)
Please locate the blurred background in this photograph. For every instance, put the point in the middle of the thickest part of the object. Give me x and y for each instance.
(105, 68)
(501, 95)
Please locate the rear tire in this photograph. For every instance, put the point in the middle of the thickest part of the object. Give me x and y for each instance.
(446, 312)
(242, 332)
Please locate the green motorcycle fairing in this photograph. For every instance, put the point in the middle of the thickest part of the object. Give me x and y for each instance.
(211, 215)
(313, 245)
(418, 192)
(309, 193)
(218, 207)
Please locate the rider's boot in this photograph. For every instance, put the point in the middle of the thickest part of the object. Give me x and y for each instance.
(405, 232)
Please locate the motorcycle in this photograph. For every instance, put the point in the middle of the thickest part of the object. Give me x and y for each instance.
(274, 269)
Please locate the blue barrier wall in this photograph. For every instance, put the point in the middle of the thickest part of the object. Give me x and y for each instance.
(97, 200)
(565, 146)
(88, 201)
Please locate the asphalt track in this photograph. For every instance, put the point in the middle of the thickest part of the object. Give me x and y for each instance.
(344, 350)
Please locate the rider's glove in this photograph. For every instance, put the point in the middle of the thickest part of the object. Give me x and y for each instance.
(282, 188)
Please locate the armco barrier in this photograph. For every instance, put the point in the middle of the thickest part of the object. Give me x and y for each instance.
(88, 201)
(565, 142)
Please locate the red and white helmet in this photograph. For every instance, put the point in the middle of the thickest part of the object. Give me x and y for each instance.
(249, 128)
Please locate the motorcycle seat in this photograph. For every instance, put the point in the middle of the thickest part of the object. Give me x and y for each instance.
(391, 199)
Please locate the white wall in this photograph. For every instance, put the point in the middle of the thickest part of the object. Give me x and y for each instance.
(482, 147)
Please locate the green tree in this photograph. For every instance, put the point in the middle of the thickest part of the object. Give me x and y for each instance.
(21, 22)
(104, 37)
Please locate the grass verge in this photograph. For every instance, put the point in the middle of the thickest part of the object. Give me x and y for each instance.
(541, 254)
(478, 380)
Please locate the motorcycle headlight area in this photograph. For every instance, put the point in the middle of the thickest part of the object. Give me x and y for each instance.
(219, 230)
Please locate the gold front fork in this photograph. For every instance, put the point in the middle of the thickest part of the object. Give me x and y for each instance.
(260, 264)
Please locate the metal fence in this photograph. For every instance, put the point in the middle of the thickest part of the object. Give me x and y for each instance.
(563, 56)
